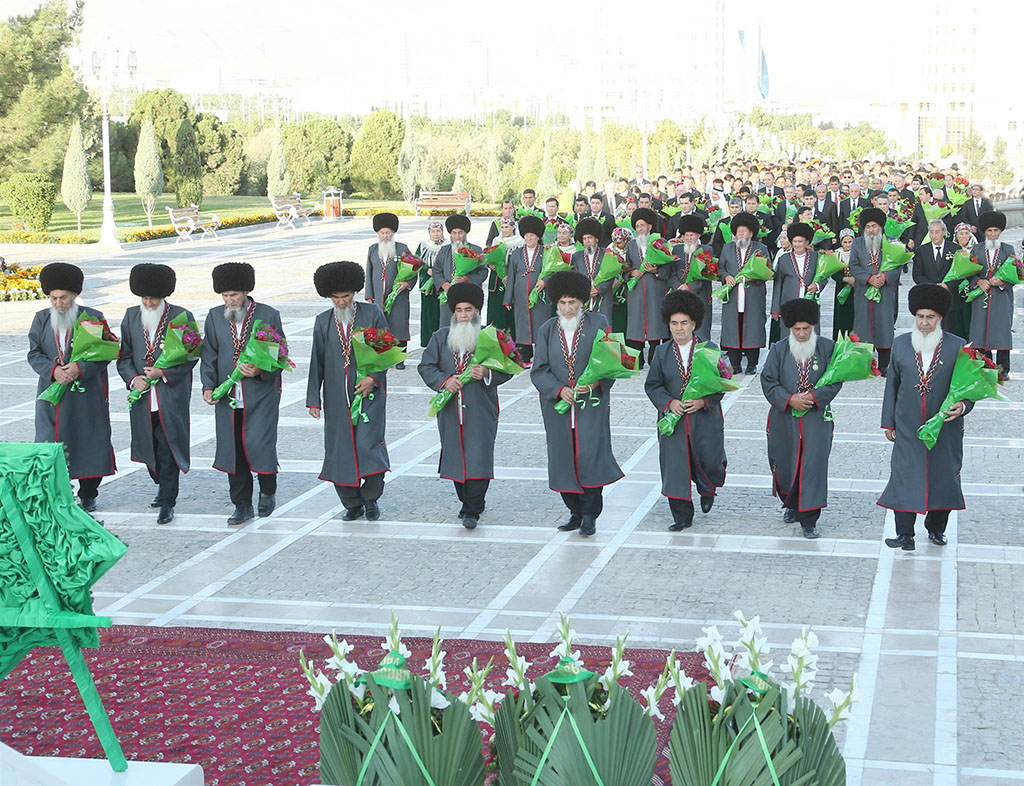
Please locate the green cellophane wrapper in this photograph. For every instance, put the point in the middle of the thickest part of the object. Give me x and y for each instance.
(605, 363)
(465, 263)
(854, 219)
(552, 262)
(956, 197)
(714, 217)
(766, 203)
(495, 255)
(757, 268)
(624, 223)
(895, 228)
(933, 211)
(821, 234)
(937, 182)
(671, 210)
(851, 361)
(828, 265)
(1008, 272)
(791, 209)
(972, 381)
(406, 272)
(87, 345)
(726, 226)
(489, 355)
(529, 211)
(265, 355)
(894, 255)
(174, 352)
(609, 270)
(550, 232)
(698, 270)
(705, 380)
(962, 267)
(370, 361)
(654, 256)
(844, 294)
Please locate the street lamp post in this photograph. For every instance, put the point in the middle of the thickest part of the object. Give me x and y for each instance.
(100, 69)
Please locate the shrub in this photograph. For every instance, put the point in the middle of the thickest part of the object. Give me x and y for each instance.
(30, 197)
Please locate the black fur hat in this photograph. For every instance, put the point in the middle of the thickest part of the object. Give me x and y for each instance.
(149, 280)
(677, 302)
(458, 221)
(234, 277)
(930, 296)
(993, 218)
(589, 226)
(531, 224)
(748, 220)
(337, 277)
(568, 283)
(691, 223)
(800, 309)
(381, 220)
(61, 275)
(465, 293)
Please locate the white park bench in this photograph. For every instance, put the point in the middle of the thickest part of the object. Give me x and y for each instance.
(444, 200)
(186, 220)
(290, 208)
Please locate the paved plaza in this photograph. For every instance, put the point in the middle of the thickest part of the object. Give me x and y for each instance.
(936, 636)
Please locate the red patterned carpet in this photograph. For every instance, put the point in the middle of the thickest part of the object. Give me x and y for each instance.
(234, 701)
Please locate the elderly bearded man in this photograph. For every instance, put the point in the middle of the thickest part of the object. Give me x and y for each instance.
(469, 423)
(579, 443)
(160, 419)
(644, 323)
(691, 228)
(921, 480)
(743, 317)
(81, 421)
(458, 227)
(381, 268)
(992, 313)
(355, 456)
(246, 421)
(588, 262)
(794, 271)
(873, 322)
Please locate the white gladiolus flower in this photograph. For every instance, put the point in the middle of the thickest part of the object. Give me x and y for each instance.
(650, 695)
(717, 694)
(479, 713)
(393, 705)
(438, 700)
(711, 639)
(319, 689)
(359, 691)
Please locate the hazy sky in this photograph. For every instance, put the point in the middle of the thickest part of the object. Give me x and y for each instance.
(808, 51)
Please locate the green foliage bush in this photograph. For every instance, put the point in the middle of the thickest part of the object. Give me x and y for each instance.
(30, 197)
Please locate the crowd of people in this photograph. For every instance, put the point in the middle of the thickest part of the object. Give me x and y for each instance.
(671, 242)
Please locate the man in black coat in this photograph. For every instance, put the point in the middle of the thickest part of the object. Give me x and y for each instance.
(975, 206)
(932, 260)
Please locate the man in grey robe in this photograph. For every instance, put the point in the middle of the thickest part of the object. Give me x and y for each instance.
(691, 227)
(695, 452)
(794, 271)
(873, 322)
(921, 480)
(744, 316)
(799, 447)
(992, 313)
(524, 265)
(468, 424)
(382, 260)
(587, 261)
(643, 302)
(246, 419)
(81, 421)
(458, 227)
(160, 419)
(355, 454)
(579, 443)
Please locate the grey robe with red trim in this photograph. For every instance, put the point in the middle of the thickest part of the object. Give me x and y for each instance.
(517, 294)
(173, 392)
(261, 395)
(873, 322)
(701, 433)
(582, 457)
(786, 284)
(378, 286)
(799, 443)
(755, 295)
(643, 302)
(992, 316)
(702, 289)
(605, 299)
(351, 452)
(81, 421)
(467, 444)
(920, 479)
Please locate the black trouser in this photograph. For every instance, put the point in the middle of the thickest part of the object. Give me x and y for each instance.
(88, 488)
(357, 496)
(471, 495)
(589, 503)
(805, 518)
(167, 473)
(883, 358)
(526, 351)
(934, 521)
(652, 346)
(1002, 358)
(753, 354)
(682, 509)
(240, 481)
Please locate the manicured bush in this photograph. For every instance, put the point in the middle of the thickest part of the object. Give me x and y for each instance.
(30, 197)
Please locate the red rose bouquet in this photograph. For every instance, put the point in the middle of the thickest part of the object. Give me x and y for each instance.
(466, 261)
(408, 269)
(376, 350)
(494, 351)
(704, 267)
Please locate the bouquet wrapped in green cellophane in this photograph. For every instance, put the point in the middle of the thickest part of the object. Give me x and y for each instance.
(91, 341)
(182, 344)
(494, 351)
(756, 268)
(610, 358)
(852, 360)
(894, 256)
(975, 377)
(709, 374)
(266, 349)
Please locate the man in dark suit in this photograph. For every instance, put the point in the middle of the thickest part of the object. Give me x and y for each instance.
(932, 260)
(848, 205)
(974, 207)
(638, 178)
(768, 186)
(685, 202)
(607, 221)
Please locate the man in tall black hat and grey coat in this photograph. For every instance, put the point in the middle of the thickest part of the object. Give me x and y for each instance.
(920, 371)
(691, 227)
(794, 271)
(992, 313)
(579, 443)
(874, 322)
(524, 265)
(799, 447)
(744, 315)
(587, 261)
(643, 302)
(468, 424)
(693, 454)
(355, 456)
(458, 227)
(160, 419)
(246, 420)
(381, 268)
(81, 421)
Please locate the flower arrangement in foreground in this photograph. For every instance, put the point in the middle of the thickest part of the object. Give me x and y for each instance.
(375, 350)
(390, 727)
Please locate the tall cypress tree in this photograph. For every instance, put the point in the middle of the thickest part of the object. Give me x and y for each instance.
(188, 174)
(149, 174)
(75, 186)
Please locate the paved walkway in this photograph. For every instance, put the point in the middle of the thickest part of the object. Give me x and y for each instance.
(936, 636)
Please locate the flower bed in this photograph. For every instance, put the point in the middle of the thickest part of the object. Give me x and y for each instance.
(39, 237)
(18, 283)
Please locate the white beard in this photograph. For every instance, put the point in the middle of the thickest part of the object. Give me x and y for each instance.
(63, 321)
(513, 242)
(345, 315)
(235, 315)
(925, 342)
(569, 324)
(991, 245)
(742, 245)
(462, 336)
(151, 318)
(642, 240)
(457, 244)
(802, 351)
(690, 250)
(386, 250)
(873, 243)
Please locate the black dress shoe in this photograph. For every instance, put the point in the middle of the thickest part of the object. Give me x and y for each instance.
(88, 505)
(461, 515)
(937, 538)
(751, 369)
(572, 524)
(400, 367)
(266, 505)
(242, 514)
(588, 526)
(351, 514)
(166, 514)
(883, 372)
(680, 525)
(736, 371)
(789, 516)
(706, 503)
(905, 542)
(372, 511)
(469, 522)
(811, 532)
(155, 503)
